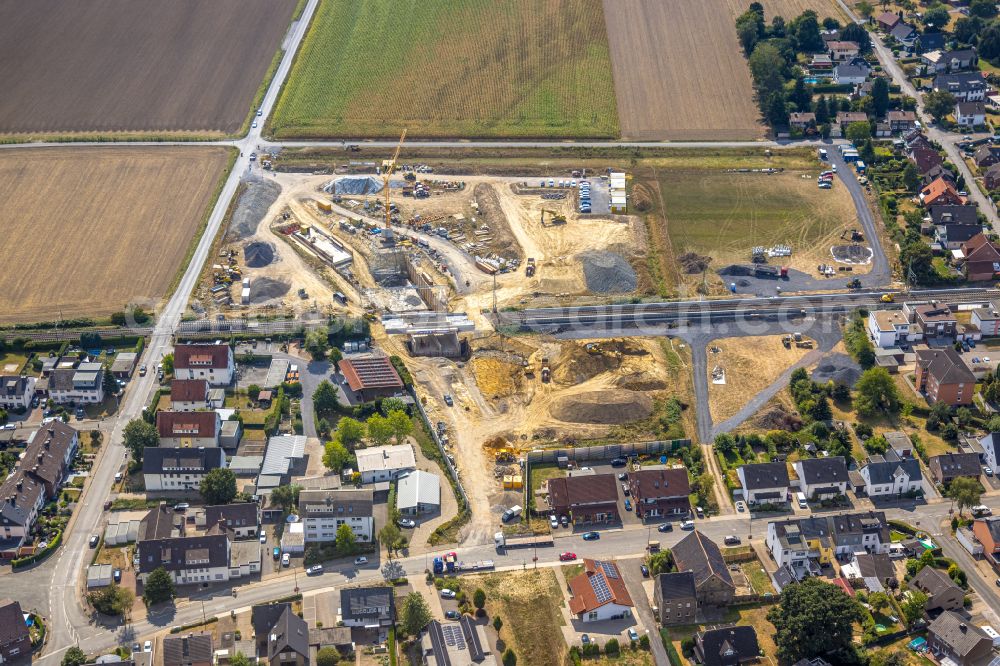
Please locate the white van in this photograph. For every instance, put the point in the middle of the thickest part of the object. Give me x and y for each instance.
(512, 512)
(801, 498)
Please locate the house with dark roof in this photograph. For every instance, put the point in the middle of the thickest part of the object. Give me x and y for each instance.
(22, 496)
(585, 499)
(188, 429)
(970, 114)
(851, 73)
(174, 468)
(886, 21)
(371, 607)
(599, 593)
(461, 643)
(76, 386)
(371, 377)
(952, 636)
(822, 478)
(189, 650)
(286, 641)
(987, 531)
(925, 157)
(931, 41)
(901, 121)
(241, 519)
(713, 583)
(965, 86)
(16, 392)
(942, 376)
(807, 545)
(991, 177)
(905, 34)
(942, 592)
(875, 570)
(727, 646)
(324, 511)
(949, 466)
(660, 491)
(211, 362)
(986, 156)
(188, 395)
(676, 598)
(15, 642)
(987, 319)
(801, 119)
(889, 475)
(953, 236)
(935, 320)
(764, 483)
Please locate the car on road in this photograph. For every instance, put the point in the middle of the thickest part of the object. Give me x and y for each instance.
(998, 582)
(618, 462)
(567, 557)
(117, 575)
(253, 156)
(263, 536)
(741, 506)
(182, 506)
(142, 370)
(700, 512)
(314, 570)
(628, 504)
(260, 112)
(687, 525)
(665, 527)
(732, 540)
(285, 559)
(9, 426)
(80, 414)
(988, 471)
(633, 635)
(254, 124)
(591, 536)
(623, 476)
(94, 540)
(553, 521)
(407, 523)
(276, 553)
(358, 561)
(626, 489)
(447, 400)
(147, 646)
(452, 615)
(447, 594)
(645, 570)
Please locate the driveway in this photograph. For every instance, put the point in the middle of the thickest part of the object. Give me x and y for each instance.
(637, 589)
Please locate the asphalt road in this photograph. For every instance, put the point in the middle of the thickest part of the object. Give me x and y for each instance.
(880, 274)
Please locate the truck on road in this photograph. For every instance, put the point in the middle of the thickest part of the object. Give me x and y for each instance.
(503, 541)
(449, 563)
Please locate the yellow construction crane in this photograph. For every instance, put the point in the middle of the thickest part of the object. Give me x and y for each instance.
(388, 166)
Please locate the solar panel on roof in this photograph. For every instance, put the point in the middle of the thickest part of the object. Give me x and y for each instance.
(600, 588)
(609, 569)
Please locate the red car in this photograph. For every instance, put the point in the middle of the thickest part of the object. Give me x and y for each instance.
(567, 557)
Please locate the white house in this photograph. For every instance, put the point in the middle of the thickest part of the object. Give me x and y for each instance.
(969, 114)
(83, 384)
(16, 392)
(764, 483)
(599, 593)
(174, 468)
(987, 320)
(891, 475)
(188, 429)
(384, 463)
(991, 449)
(822, 478)
(188, 395)
(323, 511)
(418, 492)
(808, 544)
(213, 362)
(851, 73)
(889, 328)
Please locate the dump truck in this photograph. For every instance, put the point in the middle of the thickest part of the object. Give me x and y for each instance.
(529, 267)
(545, 370)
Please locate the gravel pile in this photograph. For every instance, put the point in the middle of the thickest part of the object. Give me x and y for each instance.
(265, 289)
(607, 273)
(353, 185)
(258, 254)
(252, 206)
(838, 368)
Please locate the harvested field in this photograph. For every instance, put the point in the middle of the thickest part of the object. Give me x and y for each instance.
(465, 68)
(136, 65)
(108, 226)
(679, 71)
(605, 407)
(751, 364)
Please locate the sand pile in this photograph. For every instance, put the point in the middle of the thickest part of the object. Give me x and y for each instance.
(575, 365)
(258, 254)
(265, 289)
(607, 273)
(604, 407)
(838, 368)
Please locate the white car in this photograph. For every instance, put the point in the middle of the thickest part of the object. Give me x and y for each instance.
(147, 646)
(254, 124)
(447, 594)
(553, 521)
(740, 506)
(314, 570)
(358, 561)
(285, 560)
(263, 536)
(687, 525)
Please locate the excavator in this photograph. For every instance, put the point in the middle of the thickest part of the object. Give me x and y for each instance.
(554, 217)
(388, 167)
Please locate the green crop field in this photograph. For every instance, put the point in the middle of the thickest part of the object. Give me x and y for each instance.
(451, 68)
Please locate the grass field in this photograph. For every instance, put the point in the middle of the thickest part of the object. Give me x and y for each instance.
(93, 229)
(469, 68)
(529, 604)
(111, 66)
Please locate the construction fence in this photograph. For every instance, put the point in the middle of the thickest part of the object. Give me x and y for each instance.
(606, 451)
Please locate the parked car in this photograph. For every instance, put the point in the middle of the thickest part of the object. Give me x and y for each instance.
(567, 557)
(585, 639)
(618, 462)
(645, 570)
(741, 506)
(452, 615)
(626, 489)
(447, 594)
(731, 540)
(564, 521)
(9, 426)
(285, 559)
(147, 646)
(314, 570)
(699, 511)
(988, 471)
(136, 648)
(447, 399)
(358, 561)
(276, 553)
(628, 504)
(623, 476)
(665, 527)
(553, 521)
(117, 575)
(94, 540)
(182, 506)
(591, 536)
(407, 523)
(263, 536)
(633, 635)
(687, 525)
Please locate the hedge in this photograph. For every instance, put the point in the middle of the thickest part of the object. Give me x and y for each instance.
(31, 559)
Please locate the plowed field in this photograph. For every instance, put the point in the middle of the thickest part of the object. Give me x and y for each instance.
(135, 65)
(89, 230)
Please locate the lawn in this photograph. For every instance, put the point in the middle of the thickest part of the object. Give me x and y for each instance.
(543, 472)
(465, 68)
(12, 363)
(759, 580)
(529, 604)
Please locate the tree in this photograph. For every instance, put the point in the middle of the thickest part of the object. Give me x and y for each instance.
(317, 342)
(401, 425)
(108, 382)
(90, 340)
(327, 656)
(777, 110)
(326, 398)
(880, 96)
(916, 258)
(985, 9)
(139, 435)
(766, 66)
(74, 657)
(750, 29)
(858, 132)
(391, 537)
(349, 432)
(968, 29)
(936, 18)
(939, 103)
(821, 111)
(286, 497)
(725, 443)
(661, 562)
(414, 614)
(866, 151)
(379, 429)
(913, 607)
(911, 177)
(111, 600)
(509, 658)
(497, 623)
(966, 492)
(253, 392)
(805, 28)
(218, 486)
(346, 541)
(159, 587)
(866, 10)
(168, 364)
(392, 405)
(875, 391)
(393, 570)
(336, 456)
(853, 32)
(479, 598)
(801, 95)
(989, 42)
(240, 659)
(813, 619)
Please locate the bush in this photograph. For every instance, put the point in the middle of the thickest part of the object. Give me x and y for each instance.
(612, 647)
(509, 658)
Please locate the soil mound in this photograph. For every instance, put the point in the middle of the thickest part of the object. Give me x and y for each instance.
(603, 407)
(641, 381)
(608, 273)
(778, 418)
(252, 206)
(838, 368)
(694, 263)
(575, 365)
(258, 254)
(265, 289)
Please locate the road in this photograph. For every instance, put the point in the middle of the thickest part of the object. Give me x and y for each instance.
(66, 613)
(880, 273)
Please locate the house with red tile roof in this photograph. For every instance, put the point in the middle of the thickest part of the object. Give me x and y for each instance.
(590, 498)
(940, 191)
(213, 362)
(599, 593)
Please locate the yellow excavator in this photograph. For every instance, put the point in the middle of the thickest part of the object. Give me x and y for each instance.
(554, 217)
